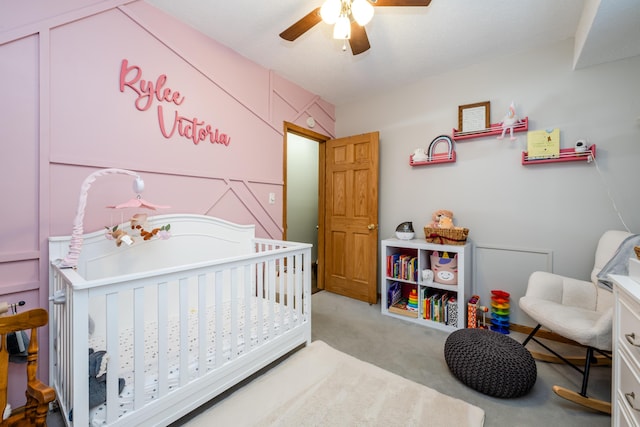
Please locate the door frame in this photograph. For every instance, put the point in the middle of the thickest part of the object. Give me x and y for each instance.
(321, 139)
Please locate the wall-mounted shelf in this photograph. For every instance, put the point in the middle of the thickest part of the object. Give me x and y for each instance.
(566, 155)
(432, 157)
(435, 158)
(494, 129)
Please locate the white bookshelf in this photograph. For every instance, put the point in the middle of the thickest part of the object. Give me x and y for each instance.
(421, 250)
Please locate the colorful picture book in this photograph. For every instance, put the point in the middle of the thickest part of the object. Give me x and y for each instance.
(543, 144)
(403, 266)
(439, 307)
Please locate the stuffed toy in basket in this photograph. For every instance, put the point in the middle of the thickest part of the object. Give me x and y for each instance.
(442, 231)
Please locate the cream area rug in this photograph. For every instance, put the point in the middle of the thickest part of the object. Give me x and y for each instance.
(321, 386)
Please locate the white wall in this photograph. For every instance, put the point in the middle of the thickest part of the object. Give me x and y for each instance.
(561, 207)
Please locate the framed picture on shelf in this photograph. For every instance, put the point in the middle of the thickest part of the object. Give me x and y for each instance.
(474, 117)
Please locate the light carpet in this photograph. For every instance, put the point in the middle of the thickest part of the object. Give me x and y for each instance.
(321, 386)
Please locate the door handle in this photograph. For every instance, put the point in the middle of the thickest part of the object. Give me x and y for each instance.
(371, 226)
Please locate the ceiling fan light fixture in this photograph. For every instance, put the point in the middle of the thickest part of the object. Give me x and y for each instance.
(362, 12)
(330, 11)
(342, 29)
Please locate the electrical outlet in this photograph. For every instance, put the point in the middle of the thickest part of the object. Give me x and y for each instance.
(272, 198)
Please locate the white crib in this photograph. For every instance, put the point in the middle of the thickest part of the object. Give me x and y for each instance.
(181, 320)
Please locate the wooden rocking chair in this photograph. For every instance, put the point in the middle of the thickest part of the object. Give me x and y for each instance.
(39, 394)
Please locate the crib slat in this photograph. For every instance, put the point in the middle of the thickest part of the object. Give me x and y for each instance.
(261, 295)
(62, 352)
(295, 307)
(234, 313)
(305, 296)
(203, 336)
(139, 347)
(246, 282)
(113, 350)
(271, 283)
(163, 340)
(281, 279)
(65, 349)
(218, 302)
(80, 360)
(184, 332)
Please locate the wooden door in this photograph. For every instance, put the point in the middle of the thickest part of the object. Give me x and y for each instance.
(351, 217)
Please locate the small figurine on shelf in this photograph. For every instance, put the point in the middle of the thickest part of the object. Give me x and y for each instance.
(509, 121)
(419, 155)
(427, 275)
(581, 146)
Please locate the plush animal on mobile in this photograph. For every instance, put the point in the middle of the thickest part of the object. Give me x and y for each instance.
(509, 122)
(120, 236)
(139, 222)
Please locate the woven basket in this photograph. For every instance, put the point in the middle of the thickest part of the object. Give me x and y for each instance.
(446, 236)
(637, 251)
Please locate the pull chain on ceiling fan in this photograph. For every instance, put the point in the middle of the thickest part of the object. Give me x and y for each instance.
(348, 17)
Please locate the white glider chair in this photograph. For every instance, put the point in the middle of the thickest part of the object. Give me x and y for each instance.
(578, 310)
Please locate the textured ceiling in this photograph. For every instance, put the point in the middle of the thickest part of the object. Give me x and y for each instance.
(410, 43)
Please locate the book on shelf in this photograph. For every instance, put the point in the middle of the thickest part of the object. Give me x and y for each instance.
(402, 266)
(394, 295)
(435, 312)
(426, 304)
(391, 262)
(452, 312)
(439, 307)
(543, 144)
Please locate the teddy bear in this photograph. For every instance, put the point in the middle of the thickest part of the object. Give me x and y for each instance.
(98, 378)
(441, 218)
(98, 361)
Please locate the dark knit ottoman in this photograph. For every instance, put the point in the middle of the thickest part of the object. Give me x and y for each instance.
(490, 362)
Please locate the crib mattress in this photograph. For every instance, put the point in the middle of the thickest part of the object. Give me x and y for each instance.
(281, 317)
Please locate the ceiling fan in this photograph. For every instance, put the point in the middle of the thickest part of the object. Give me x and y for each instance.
(348, 17)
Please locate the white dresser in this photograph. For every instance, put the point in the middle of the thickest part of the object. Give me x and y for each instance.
(625, 394)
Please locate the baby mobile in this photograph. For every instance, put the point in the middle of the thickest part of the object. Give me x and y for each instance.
(138, 223)
(139, 226)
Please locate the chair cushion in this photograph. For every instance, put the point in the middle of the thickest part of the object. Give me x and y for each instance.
(587, 327)
(490, 362)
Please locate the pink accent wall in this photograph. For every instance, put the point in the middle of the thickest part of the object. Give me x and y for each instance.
(64, 116)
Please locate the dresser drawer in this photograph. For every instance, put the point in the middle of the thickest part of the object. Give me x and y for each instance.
(628, 390)
(623, 418)
(629, 328)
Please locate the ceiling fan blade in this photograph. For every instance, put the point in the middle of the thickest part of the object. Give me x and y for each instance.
(359, 41)
(401, 2)
(302, 26)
